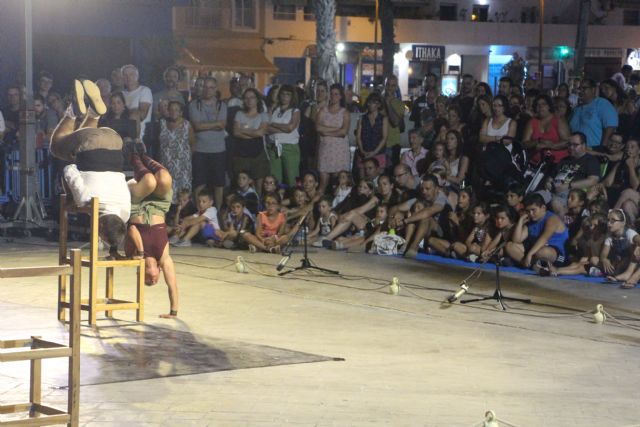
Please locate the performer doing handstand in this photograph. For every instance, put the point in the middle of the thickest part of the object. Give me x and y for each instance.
(147, 234)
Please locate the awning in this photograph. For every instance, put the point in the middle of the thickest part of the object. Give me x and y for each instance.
(252, 60)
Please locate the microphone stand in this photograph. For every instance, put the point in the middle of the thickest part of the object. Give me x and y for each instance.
(305, 262)
(497, 294)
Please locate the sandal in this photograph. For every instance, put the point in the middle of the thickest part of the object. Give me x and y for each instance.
(253, 249)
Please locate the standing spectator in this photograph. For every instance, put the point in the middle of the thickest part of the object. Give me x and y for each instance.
(249, 128)
(170, 92)
(371, 134)
(595, 117)
(45, 82)
(208, 116)
(117, 118)
(45, 121)
(11, 114)
(198, 85)
(395, 113)
(283, 132)
(332, 124)
(138, 97)
(622, 77)
(117, 80)
(105, 90)
(177, 141)
(55, 104)
(504, 87)
(466, 98)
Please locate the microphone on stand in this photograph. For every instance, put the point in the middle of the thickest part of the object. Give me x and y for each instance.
(283, 262)
(463, 290)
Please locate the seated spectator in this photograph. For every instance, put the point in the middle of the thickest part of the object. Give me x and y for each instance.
(515, 197)
(298, 207)
(500, 124)
(460, 224)
(416, 153)
(580, 170)
(456, 163)
(433, 219)
(435, 163)
(478, 239)
(501, 229)
(427, 131)
(406, 182)
(360, 216)
(501, 165)
(617, 260)
(270, 228)
(372, 170)
(546, 134)
(594, 230)
(343, 189)
(180, 211)
(204, 223)
(327, 220)
(361, 242)
(538, 235)
(270, 184)
(623, 179)
(236, 222)
(360, 195)
(245, 189)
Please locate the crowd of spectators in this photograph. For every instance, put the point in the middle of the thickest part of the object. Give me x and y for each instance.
(543, 179)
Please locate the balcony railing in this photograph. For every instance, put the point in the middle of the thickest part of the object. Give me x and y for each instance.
(202, 18)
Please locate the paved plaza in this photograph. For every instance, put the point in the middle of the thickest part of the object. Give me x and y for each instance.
(310, 350)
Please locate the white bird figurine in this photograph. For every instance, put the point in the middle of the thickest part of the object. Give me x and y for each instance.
(241, 267)
(490, 419)
(394, 287)
(599, 315)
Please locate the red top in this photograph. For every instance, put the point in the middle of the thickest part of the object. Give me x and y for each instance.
(271, 228)
(550, 134)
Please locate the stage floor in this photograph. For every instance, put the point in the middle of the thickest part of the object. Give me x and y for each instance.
(259, 350)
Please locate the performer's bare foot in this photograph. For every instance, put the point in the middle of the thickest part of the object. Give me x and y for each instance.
(173, 314)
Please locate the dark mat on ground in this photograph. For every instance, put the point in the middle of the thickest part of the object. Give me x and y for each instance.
(490, 266)
(133, 352)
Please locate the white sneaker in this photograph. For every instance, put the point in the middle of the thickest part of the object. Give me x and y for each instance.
(317, 243)
(174, 239)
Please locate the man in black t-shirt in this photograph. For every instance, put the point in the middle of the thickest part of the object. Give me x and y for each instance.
(580, 170)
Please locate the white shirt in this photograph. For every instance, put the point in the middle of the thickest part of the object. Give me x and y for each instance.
(629, 235)
(141, 94)
(211, 215)
(280, 117)
(109, 187)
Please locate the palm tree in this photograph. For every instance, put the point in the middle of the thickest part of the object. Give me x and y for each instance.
(328, 68)
(581, 37)
(388, 42)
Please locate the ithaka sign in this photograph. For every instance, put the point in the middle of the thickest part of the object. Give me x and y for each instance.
(427, 53)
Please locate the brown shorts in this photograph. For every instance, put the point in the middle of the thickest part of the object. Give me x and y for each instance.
(154, 239)
(86, 139)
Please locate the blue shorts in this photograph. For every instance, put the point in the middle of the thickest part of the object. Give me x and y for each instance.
(209, 232)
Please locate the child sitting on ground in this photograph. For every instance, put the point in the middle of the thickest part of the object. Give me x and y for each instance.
(204, 222)
(244, 188)
(503, 219)
(326, 221)
(617, 260)
(514, 198)
(343, 189)
(460, 225)
(478, 239)
(594, 231)
(270, 228)
(237, 221)
(180, 211)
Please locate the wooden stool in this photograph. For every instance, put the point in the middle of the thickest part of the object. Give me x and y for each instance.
(36, 349)
(93, 304)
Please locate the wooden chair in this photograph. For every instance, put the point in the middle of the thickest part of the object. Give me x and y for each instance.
(93, 262)
(35, 349)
